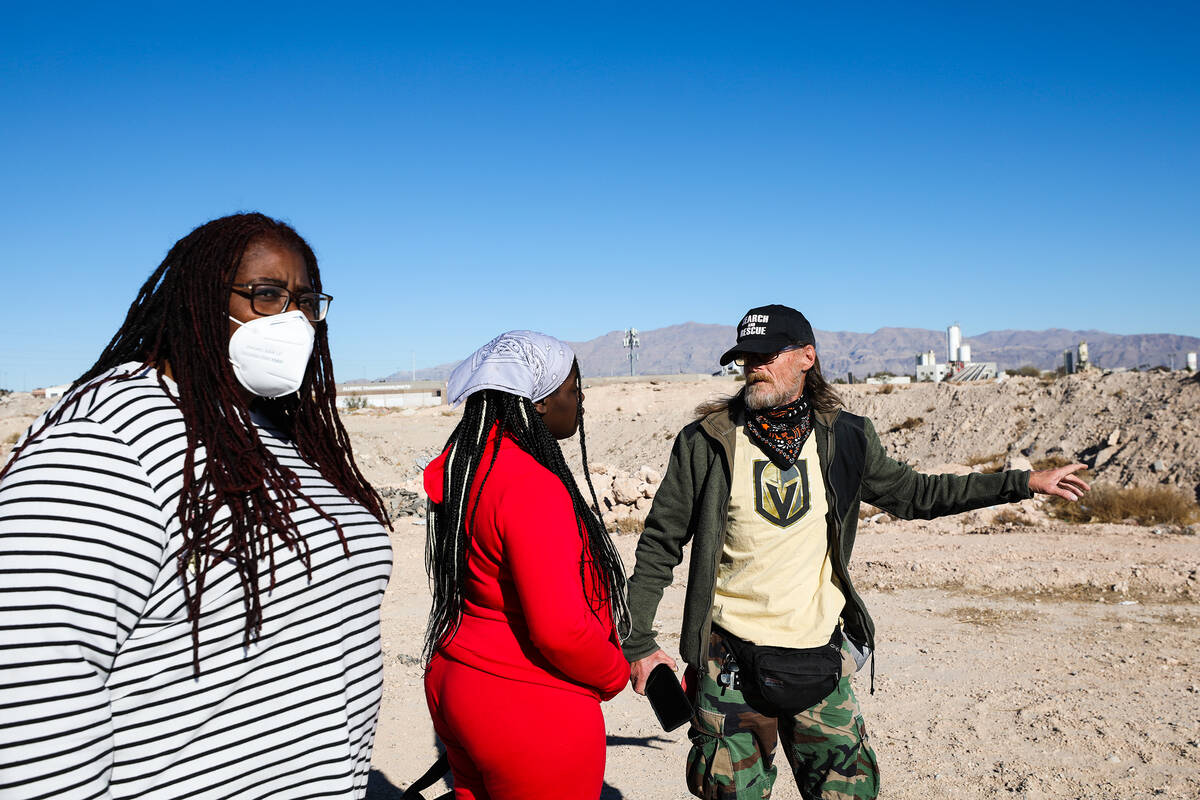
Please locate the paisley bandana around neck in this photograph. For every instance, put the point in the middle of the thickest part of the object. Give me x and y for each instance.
(781, 431)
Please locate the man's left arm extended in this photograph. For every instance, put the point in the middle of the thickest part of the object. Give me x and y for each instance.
(901, 490)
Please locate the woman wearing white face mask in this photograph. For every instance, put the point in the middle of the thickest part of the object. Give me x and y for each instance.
(191, 564)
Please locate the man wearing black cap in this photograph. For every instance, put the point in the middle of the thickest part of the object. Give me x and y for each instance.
(766, 486)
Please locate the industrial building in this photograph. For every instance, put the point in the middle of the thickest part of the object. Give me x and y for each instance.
(1076, 359)
(51, 392)
(928, 370)
(958, 366)
(415, 394)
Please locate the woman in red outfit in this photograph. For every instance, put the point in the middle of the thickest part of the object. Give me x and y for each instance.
(528, 589)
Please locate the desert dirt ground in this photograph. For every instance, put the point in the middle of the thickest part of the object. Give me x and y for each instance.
(1017, 659)
(1039, 660)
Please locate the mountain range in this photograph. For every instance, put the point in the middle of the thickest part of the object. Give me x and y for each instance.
(694, 347)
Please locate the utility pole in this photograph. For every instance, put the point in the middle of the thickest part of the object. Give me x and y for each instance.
(631, 344)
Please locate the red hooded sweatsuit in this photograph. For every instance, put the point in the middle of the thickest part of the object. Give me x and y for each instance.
(515, 695)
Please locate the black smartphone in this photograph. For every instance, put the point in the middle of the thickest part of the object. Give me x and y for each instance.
(667, 698)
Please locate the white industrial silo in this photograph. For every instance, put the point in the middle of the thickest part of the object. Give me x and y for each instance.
(953, 340)
(964, 353)
(1191, 362)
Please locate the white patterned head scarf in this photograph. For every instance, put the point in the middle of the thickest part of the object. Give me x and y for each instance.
(525, 363)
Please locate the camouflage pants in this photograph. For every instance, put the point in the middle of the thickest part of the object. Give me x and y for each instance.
(733, 746)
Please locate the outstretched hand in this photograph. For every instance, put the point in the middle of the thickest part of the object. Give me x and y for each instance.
(1060, 482)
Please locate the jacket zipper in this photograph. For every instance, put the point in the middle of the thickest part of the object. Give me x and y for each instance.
(706, 630)
(836, 545)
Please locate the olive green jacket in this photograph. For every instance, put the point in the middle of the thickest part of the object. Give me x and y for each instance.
(692, 505)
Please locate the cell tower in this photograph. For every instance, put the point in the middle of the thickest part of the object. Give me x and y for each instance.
(631, 344)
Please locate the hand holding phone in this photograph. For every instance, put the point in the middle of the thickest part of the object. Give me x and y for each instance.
(667, 698)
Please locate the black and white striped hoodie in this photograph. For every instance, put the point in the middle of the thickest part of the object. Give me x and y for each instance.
(97, 694)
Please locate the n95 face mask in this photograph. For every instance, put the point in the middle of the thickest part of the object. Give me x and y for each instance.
(270, 354)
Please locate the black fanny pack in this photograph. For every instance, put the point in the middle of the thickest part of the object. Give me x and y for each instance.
(782, 681)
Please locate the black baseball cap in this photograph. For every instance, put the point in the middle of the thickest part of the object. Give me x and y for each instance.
(769, 329)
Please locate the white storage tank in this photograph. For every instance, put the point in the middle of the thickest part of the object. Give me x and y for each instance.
(964, 353)
(1191, 362)
(953, 340)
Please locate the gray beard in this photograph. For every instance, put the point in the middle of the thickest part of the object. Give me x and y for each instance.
(760, 397)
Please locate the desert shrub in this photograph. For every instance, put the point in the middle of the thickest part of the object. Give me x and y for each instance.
(355, 402)
(991, 463)
(1146, 505)
(628, 525)
(1054, 462)
(907, 425)
(1027, 371)
(1010, 516)
(887, 388)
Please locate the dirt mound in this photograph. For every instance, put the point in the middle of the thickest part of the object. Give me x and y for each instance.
(1132, 429)
(18, 410)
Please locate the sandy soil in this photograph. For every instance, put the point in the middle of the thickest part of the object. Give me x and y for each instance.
(1016, 661)
(1007, 667)
(1039, 661)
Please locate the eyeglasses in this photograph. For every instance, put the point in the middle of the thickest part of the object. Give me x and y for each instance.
(764, 358)
(267, 299)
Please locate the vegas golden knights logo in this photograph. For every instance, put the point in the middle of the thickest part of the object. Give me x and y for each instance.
(781, 496)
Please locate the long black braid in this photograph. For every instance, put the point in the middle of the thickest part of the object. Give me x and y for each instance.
(492, 413)
(180, 318)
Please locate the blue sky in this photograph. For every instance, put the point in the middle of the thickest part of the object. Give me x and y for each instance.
(464, 169)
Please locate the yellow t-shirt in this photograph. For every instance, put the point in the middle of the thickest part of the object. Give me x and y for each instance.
(775, 582)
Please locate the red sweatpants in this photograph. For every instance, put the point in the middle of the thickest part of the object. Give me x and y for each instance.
(511, 740)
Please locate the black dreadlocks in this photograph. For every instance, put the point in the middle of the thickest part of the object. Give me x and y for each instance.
(180, 318)
(448, 521)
